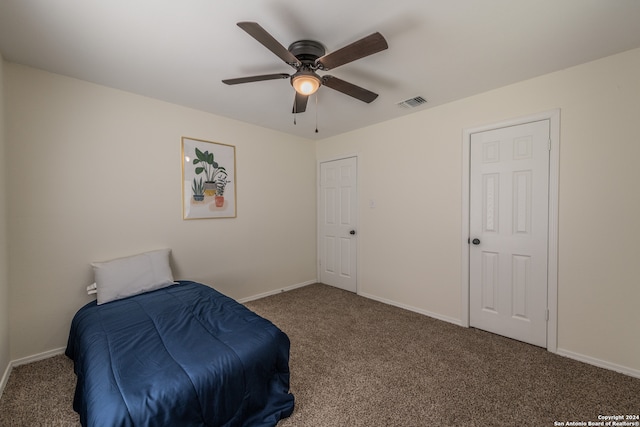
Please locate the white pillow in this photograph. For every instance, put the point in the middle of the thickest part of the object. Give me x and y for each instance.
(132, 275)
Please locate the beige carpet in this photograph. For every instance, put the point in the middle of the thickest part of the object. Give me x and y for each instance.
(356, 362)
(40, 394)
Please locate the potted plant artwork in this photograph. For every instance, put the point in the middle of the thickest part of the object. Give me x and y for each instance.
(208, 179)
(221, 183)
(198, 190)
(206, 164)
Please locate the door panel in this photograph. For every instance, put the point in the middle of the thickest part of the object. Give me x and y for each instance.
(337, 219)
(509, 205)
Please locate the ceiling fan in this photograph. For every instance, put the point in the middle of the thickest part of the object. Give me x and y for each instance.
(309, 56)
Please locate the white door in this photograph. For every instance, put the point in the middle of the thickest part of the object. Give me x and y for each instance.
(337, 223)
(509, 224)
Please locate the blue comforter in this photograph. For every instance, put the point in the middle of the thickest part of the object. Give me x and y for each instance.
(185, 355)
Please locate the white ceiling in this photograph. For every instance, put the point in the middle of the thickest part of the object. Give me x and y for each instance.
(442, 50)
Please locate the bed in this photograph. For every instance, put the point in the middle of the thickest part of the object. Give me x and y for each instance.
(181, 355)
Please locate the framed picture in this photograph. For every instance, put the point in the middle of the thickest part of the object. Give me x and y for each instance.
(208, 179)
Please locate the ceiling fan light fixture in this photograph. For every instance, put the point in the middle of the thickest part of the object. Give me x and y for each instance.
(305, 82)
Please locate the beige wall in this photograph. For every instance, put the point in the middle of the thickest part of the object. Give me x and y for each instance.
(83, 187)
(4, 276)
(95, 173)
(409, 244)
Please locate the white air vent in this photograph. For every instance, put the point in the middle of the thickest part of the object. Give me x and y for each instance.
(412, 102)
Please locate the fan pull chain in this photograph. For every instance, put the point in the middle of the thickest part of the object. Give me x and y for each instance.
(316, 112)
(295, 111)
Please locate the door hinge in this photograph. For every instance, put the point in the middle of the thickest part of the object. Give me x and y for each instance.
(549, 144)
(547, 315)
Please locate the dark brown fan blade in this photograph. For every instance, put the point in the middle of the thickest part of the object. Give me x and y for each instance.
(350, 89)
(255, 78)
(300, 103)
(260, 34)
(364, 47)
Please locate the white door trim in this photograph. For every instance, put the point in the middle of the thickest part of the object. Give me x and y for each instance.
(318, 215)
(554, 165)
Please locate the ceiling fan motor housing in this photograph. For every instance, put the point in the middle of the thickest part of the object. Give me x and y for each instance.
(307, 51)
(305, 80)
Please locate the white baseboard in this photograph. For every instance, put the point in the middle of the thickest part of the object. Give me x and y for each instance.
(276, 291)
(39, 356)
(562, 352)
(599, 363)
(5, 378)
(411, 308)
(57, 351)
(24, 361)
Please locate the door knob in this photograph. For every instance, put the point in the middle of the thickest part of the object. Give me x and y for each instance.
(476, 241)
(352, 232)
